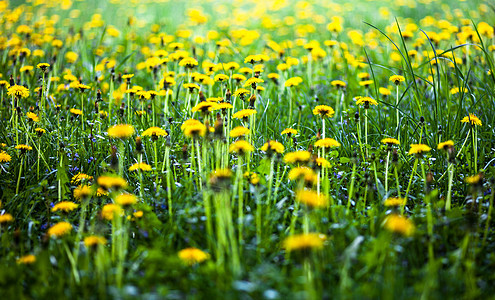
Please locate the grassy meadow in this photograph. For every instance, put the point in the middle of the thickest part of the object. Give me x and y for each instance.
(247, 149)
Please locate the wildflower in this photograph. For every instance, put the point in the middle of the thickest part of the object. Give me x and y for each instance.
(244, 113)
(82, 192)
(338, 84)
(4, 157)
(311, 198)
(294, 81)
(241, 93)
(65, 206)
(32, 117)
(71, 57)
(322, 162)
(327, 143)
(94, 240)
(193, 256)
(220, 177)
(43, 66)
(306, 241)
(445, 145)
(82, 87)
(18, 91)
(253, 177)
(384, 91)
(60, 229)
(324, 111)
(390, 141)
(26, 69)
(456, 90)
(397, 79)
(188, 62)
(289, 131)
(366, 101)
(109, 211)
(303, 173)
(23, 148)
(140, 166)
(253, 81)
(26, 259)
(394, 202)
(126, 199)
(6, 218)
(76, 179)
(297, 157)
(40, 131)
(474, 180)
(239, 131)
(112, 182)
(273, 146)
(195, 130)
(191, 87)
(241, 147)
(474, 120)
(418, 149)
(4, 84)
(76, 112)
(204, 107)
(154, 132)
(399, 224)
(221, 77)
(121, 131)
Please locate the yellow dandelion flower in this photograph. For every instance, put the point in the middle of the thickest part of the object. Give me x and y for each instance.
(327, 143)
(121, 131)
(445, 145)
(323, 111)
(94, 240)
(195, 130)
(154, 131)
(289, 131)
(109, 211)
(239, 131)
(82, 192)
(5, 157)
(366, 101)
(32, 117)
(303, 173)
(294, 81)
(394, 202)
(273, 146)
(18, 91)
(193, 256)
(241, 147)
(140, 167)
(297, 157)
(474, 120)
(306, 241)
(60, 229)
(396, 79)
(76, 112)
(65, 206)
(6, 218)
(112, 182)
(390, 141)
(399, 224)
(418, 149)
(26, 259)
(244, 113)
(311, 198)
(126, 199)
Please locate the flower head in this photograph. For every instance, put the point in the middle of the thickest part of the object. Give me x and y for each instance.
(243, 113)
(418, 149)
(140, 167)
(301, 242)
(397, 79)
(82, 192)
(4, 157)
(109, 211)
(112, 182)
(26, 259)
(273, 146)
(193, 256)
(18, 91)
(6, 218)
(65, 206)
(327, 143)
(445, 145)
(303, 173)
(121, 131)
(474, 120)
(126, 199)
(32, 117)
(241, 147)
(293, 81)
(366, 101)
(311, 198)
(323, 111)
(76, 112)
(399, 224)
(289, 131)
(390, 141)
(94, 240)
(297, 157)
(239, 131)
(394, 202)
(60, 229)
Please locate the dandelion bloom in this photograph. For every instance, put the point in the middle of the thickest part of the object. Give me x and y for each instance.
(366, 101)
(445, 145)
(223, 106)
(193, 256)
(220, 177)
(188, 62)
(154, 131)
(82, 192)
(26, 259)
(191, 86)
(221, 77)
(384, 91)
(94, 240)
(18, 91)
(239, 131)
(474, 120)
(195, 130)
(311, 198)
(4, 157)
(32, 117)
(40, 131)
(126, 199)
(338, 83)
(241, 147)
(6, 218)
(127, 76)
(112, 182)
(273, 146)
(456, 90)
(23, 148)
(327, 143)
(140, 166)
(121, 131)
(323, 111)
(204, 107)
(109, 211)
(303, 173)
(241, 93)
(243, 113)
(390, 141)
(43, 66)
(396, 79)
(76, 112)
(306, 241)
(394, 202)
(418, 149)
(59, 229)
(65, 206)
(475, 179)
(297, 157)
(76, 179)
(322, 162)
(293, 81)
(252, 82)
(289, 131)
(399, 224)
